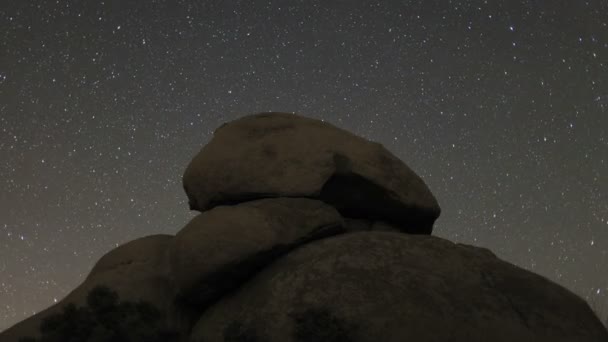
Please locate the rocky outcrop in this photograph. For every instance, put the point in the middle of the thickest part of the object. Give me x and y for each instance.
(222, 247)
(309, 233)
(287, 155)
(387, 286)
(137, 270)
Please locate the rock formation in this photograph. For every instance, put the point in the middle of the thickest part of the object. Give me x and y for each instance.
(284, 155)
(136, 270)
(310, 233)
(387, 286)
(221, 247)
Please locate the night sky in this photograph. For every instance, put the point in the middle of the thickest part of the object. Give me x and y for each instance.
(500, 106)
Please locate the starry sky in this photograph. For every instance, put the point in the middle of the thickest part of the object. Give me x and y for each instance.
(500, 106)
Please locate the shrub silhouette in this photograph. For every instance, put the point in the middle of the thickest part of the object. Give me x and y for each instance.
(105, 319)
(237, 332)
(319, 324)
(311, 325)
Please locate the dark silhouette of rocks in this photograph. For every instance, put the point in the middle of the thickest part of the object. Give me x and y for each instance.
(310, 233)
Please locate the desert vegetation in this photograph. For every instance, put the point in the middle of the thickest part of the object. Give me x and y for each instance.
(310, 325)
(104, 318)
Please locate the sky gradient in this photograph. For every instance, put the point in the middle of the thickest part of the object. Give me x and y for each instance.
(500, 106)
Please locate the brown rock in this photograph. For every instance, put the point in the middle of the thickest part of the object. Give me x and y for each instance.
(221, 247)
(287, 155)
(385, 286)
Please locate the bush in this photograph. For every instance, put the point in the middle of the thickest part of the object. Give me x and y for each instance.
(105, 319)
(236, 332)
(310, 325)
(319, 324)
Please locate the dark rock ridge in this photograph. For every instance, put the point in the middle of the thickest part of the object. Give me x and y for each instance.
(310, 233)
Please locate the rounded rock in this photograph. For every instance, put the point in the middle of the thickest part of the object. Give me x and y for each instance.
(220, 248)
(386, 286)
(288, 155)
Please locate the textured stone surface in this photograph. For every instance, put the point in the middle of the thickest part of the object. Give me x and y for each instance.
(140, 256)
(357, 225)
(221, 247)
(384, 286)
(287, 155)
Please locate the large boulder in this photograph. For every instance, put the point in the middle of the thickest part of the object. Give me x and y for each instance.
(287, 155)
(386, 286)
(136, 271)
(222, 247)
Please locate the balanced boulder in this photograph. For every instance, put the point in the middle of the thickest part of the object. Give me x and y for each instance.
(386, 286)
(287, 155)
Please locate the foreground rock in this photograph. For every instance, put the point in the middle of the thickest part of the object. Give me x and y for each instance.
(385, 286)
(287, 155)
(222, 247)
(136, 271)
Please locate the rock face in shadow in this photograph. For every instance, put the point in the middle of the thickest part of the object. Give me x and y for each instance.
(387, 286)
(287, 155)
(221, 247)
(310, 233)
(137, 270)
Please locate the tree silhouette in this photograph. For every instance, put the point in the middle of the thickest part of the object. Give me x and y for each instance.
(105, 319)
(319, 324)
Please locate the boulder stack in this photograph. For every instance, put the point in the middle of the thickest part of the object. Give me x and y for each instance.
(221, 247)
(287, 155)
(310, 233)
